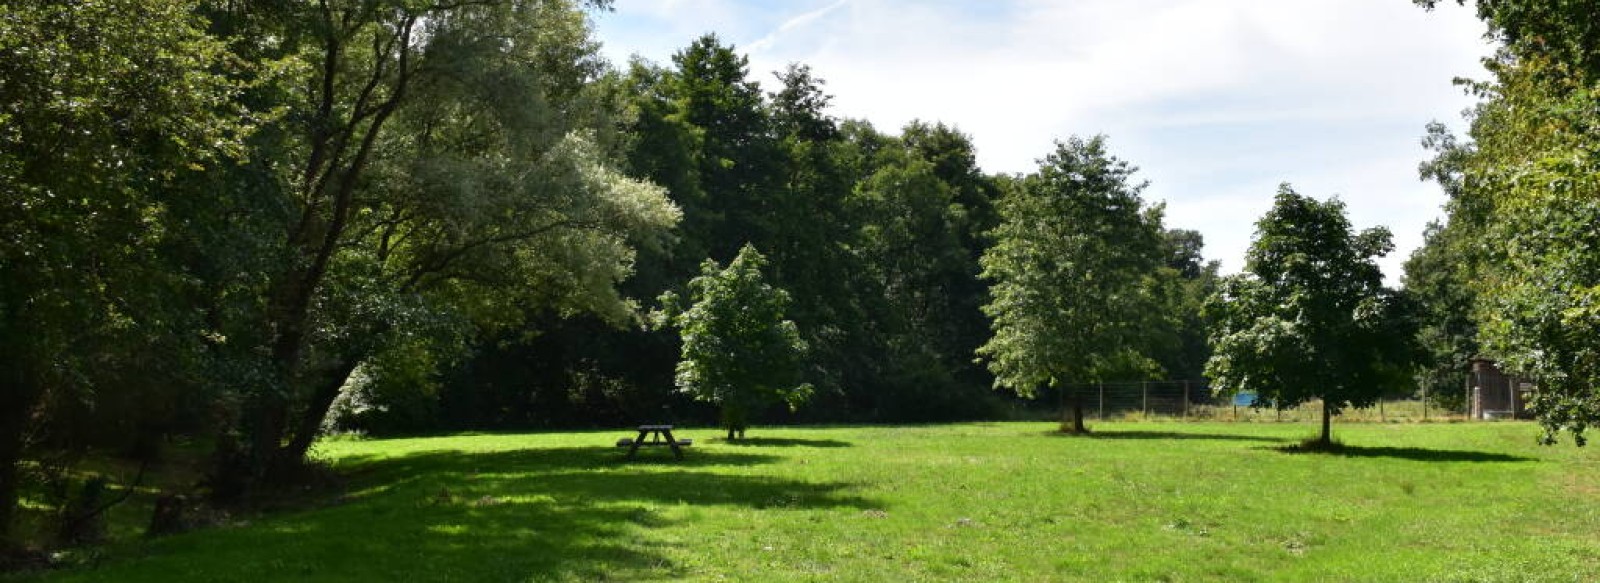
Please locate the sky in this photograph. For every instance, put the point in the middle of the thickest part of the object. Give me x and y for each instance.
(1216, 101)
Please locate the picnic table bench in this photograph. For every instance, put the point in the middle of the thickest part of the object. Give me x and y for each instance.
(655, 436)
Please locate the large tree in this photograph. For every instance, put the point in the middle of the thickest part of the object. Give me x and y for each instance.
(1310, 318)
(107, 109)
(916, 241)
(1527, 190)
(739, 352)
(1073, 267)
(438, 160)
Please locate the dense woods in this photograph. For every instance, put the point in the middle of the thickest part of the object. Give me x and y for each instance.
(240, 226)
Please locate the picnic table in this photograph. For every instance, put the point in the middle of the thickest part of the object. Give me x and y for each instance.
(654, 436)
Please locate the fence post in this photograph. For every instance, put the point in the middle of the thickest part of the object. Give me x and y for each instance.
(1144, 404)
(1424, 401)
(1185, 400)
(1101, 416)
(1381, 418)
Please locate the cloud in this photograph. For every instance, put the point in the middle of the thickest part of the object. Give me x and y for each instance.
(1217, 100)
(766, 42)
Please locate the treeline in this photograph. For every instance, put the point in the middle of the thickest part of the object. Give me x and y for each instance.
(876, 237)
(223, 221)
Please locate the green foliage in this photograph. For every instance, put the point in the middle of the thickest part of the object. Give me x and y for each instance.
(1525, 199)
(107, 112)
(1187, 281)
(1438, 278)
(1073, 264)
(438, 162)
(738, 350)
(1310, 318)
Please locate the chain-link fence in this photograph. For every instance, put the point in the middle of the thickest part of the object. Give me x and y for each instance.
(1194, 400)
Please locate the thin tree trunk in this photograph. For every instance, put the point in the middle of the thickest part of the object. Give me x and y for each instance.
(1327, 425)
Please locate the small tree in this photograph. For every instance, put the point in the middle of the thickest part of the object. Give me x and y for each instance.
(1310, 318)
(738, 350)
(1074, 264)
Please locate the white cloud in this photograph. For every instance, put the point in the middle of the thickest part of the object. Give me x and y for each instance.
(766, 42)
(1217, 100)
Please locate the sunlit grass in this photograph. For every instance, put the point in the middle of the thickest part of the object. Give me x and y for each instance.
(1007, 501)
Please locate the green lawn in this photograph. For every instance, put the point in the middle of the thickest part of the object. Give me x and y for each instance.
(1001, 501)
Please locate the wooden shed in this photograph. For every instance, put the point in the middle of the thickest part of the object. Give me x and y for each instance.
(1497, 394)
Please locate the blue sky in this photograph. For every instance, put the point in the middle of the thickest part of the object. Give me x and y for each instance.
(1217, 101)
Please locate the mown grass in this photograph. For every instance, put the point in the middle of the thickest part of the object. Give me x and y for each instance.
(1006, 501)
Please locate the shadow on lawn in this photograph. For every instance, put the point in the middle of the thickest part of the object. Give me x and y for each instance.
(1407, 453)
(783, 442)
(538, 514)
(1158, 435)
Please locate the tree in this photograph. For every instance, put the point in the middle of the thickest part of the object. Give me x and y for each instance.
(738, 350)
(1438, 278)
(1189, 282)
(106, 110)
(1527, 188)
(1310, 318)
(910, 245)
(1073, 269)
(439, 161)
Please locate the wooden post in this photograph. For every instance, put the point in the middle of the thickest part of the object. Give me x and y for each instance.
(1144, 405)
(1185, 400)
(1102, 415)
(1424, 401)
(1381, 418)
(1511, 397)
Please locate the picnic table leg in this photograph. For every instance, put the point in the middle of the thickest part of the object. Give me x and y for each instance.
(636, 443)
(673, 443)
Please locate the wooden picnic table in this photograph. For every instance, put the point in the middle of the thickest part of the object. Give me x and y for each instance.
(652, 436)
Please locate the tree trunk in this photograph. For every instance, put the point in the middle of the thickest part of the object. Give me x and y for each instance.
(1327, 433)
(1073, 422)
(19, 394)
(310, 422)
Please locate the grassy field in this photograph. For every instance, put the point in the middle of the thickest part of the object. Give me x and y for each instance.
(1007, 501)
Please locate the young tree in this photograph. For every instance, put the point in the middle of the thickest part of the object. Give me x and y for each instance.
(738, 350)
(1073, 264)
(1310, 318)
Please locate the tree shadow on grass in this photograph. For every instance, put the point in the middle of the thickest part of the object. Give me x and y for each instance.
(1161, 435)
(538, 514)
(1405, 453)
(783, 442)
